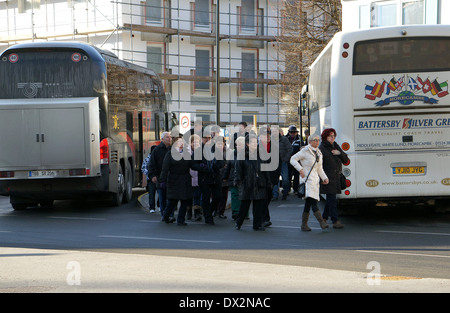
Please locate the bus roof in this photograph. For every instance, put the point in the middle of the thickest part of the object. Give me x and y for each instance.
(93, 52)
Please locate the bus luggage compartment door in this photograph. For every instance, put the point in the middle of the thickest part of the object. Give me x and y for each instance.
(49, 134)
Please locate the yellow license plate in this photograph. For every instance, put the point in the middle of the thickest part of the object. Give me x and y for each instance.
(410, 170)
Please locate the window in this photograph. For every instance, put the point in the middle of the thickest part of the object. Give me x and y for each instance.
(248, 15)
(320, 79)
(412, 12)
(249, 70)
(401, 55)
(384, 14)
(249, 117)
(204, 116)
(202, 68)
(364, 16)
(25, 5)
(154, 58)
(202, 13)
(153, 11)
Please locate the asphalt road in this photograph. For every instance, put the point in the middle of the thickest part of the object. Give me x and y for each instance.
(407, 248)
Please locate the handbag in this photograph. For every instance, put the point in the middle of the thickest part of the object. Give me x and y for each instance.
(302, 187)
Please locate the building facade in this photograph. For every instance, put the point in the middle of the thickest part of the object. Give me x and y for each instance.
(177, 39)
(379, 13)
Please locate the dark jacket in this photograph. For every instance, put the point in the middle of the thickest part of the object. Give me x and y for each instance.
(176, 177)
(332, 165)
(208, 168)
(251, 181)
(156, 161)
(285, 149)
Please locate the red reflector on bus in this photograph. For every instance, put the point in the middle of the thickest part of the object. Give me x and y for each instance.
(347, 192)
(104, 151)
(346, 45)
(345, 146)
(7, 174)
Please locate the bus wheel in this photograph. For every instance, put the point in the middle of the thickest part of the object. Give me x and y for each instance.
(19, 206)
(19, 203)
(128, 192)
(117, 197)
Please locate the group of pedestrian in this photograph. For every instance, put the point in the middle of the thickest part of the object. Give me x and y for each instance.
(198, 174)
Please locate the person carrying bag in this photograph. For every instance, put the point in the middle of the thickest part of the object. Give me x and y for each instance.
(311, 160)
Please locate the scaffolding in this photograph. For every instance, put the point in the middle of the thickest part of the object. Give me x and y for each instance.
(128, 28)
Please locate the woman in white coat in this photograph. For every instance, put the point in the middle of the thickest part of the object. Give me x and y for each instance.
(310, 159)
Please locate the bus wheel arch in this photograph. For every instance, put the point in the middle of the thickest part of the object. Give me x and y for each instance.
(117, 196)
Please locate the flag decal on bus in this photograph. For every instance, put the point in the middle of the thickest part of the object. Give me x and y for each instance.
(406, 90)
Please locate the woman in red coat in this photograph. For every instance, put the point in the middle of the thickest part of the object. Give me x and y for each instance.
(333, 158)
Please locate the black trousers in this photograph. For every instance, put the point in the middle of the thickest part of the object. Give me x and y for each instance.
(258, 211)
(211, 194)
(310, 203)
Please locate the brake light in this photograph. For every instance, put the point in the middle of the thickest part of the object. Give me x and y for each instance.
(104, 151)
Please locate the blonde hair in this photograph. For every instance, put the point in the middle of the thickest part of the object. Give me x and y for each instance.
(240, 140)
(193, 137)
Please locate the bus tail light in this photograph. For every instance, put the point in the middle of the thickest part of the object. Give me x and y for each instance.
(348, 183)
(347, 192)
(7, 174)
(345, 146)
(347, 163)
(104, 151)
(79, 172)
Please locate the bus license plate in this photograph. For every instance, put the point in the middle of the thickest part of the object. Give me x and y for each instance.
(409, 170)
(42, 173)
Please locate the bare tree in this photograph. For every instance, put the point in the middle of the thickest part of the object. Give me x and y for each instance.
(306, 27)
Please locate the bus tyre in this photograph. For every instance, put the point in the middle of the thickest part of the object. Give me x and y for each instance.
(117, 197)
(19, 206)
(128, 183)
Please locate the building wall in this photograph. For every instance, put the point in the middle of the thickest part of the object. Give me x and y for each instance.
(376, 13)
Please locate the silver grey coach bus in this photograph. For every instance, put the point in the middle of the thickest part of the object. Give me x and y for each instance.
(74, 121)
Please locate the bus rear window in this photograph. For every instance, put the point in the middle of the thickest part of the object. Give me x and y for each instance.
(401, 55)
(46, 73)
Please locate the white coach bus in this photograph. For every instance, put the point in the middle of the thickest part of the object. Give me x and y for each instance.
(385, 91)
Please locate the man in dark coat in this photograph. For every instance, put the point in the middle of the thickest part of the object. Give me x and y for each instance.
(292, 136)
(333, 158)
(155, 167)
